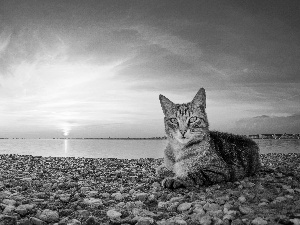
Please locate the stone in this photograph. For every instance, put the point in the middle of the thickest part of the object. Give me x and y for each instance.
(289, 196)
(280, 199)
(237, 222)
(91, 221)
(180, 222)
(156, 185)
(93, 202)
(173, 206)
(49, 216)
(245, 210)
(118, 196)
(262, 204)
(199, 210)
(142, 196)
(65, 197)
(162, 205)
(184, 206)
(217, 221)
(113, 214)
(145, 221)
(9, 202)
(295, 221)
(205, 220)
(228, 217)
(176, 199)
(74, 222)
(259, 221)
(92, 193)
(24, 221)
(105, 195)
(36, 221)
(8, 209)
(211, 207)
(21, 209)
(83, 213)
(65, 212)
(216, 213)
(242, 199)
(8, 220)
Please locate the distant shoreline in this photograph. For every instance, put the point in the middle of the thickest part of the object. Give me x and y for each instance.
(158, 138)
(252, 136)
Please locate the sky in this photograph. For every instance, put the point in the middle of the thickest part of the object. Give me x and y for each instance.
(96, 68)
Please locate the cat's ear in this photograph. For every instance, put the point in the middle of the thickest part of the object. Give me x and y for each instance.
(200, 98)
(166, 105)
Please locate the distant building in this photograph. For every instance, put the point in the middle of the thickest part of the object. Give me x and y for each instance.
(266, 136)
(254, 136)
(287, 136)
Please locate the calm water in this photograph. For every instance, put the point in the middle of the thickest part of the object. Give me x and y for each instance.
(115, 148)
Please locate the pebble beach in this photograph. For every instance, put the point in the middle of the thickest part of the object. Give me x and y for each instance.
(51, 190)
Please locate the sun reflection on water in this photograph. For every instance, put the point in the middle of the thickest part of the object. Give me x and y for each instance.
(66, 146)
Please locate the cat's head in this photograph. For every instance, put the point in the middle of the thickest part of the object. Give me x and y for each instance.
(186, 122)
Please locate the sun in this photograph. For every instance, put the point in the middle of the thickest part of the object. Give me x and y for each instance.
(66, 132)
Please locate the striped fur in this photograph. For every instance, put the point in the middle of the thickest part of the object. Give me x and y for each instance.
(197, 156)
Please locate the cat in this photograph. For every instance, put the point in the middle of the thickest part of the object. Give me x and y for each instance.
(197, 156)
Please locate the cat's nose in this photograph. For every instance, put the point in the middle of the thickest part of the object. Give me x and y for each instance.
(182, 132)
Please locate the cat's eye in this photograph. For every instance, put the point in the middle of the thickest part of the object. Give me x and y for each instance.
(193, 119)
(173, 120)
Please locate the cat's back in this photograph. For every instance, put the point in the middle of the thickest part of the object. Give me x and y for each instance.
(236, 150)
(221, 139)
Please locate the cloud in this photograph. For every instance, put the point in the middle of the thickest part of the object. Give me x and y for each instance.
(4, 41)
(269, 124)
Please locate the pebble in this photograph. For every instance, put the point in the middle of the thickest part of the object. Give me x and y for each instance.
(93, 202)
(280, 199)
(65, 197)
(142, 196)
(211, 207)
(245, 210)
(184, 206)
(162, 205)
(36, 221)
(91, 221)
(295, 221)
(118, 196)
(263, 204)
(144, 221)
(8, 220)
(205, 220)
(22, 210)
(242, 199)
(83, 213)
(9, 202)
(259, 221)
(113, 214)
(73, 222)
(136, 195)
(49, 216)
(199, 211)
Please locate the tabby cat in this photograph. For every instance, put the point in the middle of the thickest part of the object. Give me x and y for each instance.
(197, 156)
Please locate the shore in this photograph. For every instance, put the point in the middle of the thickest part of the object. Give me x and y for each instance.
(52, 190)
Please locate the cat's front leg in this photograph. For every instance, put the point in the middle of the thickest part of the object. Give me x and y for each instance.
(190, 180)
(181, 178)
(162, 171)
(175, 182)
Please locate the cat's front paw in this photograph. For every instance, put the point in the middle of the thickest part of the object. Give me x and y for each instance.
(172, 183)
(162, 171)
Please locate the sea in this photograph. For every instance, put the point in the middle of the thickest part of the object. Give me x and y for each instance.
(117, 148)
